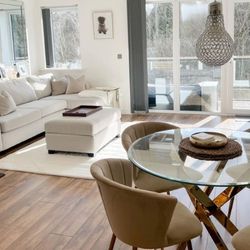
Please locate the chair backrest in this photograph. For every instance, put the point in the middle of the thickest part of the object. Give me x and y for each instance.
(137, 217)
(138, 130)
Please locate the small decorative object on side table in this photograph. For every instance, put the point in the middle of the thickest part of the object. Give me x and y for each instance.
(115, 102)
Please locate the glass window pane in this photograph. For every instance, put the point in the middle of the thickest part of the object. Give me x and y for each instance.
(18, 36)
(200, 84)
(66, 39)
(159, 25)
(241, 86)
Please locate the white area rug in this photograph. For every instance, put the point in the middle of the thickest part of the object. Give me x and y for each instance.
(35, 159)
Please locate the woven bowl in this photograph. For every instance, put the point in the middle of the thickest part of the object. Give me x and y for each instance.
(219, 140)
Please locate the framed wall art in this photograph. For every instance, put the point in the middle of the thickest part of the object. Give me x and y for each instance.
(103, 24)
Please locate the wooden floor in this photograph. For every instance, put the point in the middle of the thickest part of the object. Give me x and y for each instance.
(47, 212)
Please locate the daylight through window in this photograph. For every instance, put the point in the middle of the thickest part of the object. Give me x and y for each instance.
(18, 36)
(61, 37)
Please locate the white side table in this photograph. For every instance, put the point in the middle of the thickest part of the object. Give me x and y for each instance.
(112, 95)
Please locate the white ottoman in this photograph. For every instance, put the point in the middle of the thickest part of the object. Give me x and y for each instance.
(83, 134)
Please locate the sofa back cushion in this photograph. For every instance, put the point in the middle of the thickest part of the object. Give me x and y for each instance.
(59, 86)
(19, 89)
(7, 104)
(75, 85)
(41, 85)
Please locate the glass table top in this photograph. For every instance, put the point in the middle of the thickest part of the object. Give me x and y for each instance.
(158, 154)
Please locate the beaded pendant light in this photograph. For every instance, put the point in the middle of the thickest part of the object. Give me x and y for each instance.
(215, 46)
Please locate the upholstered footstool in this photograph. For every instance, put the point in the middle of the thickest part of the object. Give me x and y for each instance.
(83, 134)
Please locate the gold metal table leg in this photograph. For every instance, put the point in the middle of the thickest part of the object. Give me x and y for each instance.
(206, 207)
(200, 213)
(226, 195)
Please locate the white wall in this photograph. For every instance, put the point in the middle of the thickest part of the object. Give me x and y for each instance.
(33, 31)
(99, 57)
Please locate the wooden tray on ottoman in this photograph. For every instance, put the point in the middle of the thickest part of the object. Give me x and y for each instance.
(83, 110)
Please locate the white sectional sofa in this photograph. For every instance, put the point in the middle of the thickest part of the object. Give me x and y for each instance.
(31, 113)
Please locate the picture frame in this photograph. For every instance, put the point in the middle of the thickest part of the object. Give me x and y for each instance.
(103, 24)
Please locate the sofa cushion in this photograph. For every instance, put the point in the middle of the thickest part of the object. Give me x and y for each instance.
(7, 104)
(20, 90)
(19, 118)
(75, 85)
(41, 85)
(75, 100)
(59, 86)
(46, 107)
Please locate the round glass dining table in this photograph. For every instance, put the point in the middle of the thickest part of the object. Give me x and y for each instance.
(158, 154)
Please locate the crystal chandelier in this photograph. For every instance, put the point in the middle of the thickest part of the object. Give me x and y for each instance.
(215, 46)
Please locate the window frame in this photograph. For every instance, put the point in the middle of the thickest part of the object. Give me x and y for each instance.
(48, 35)
(227, 70)
(13, 41)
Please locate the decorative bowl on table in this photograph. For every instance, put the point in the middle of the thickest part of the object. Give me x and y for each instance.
(208, 139)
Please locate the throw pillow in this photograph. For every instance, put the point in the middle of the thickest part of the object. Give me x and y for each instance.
(75, 85)
(59, 86)
(41, 85)
(20, 90)
(7, 104)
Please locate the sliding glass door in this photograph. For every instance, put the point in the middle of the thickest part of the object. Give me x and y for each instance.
(199, 84)
(241, 59)
(159, 27)
(177, 80)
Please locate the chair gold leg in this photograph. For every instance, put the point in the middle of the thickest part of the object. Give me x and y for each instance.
(134, 248)
(189, 245)
(112, 242)
(205, 207)
(230, 207)
(182, 246)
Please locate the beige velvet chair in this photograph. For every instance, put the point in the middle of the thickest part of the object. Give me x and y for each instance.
(231, 203)
(241, 240)
(141, 179)
(141, 218)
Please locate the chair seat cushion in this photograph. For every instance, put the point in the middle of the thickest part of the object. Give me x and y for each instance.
(241, 239)
(179, 230)
(19, 118)
(152, 183)
(46, 107)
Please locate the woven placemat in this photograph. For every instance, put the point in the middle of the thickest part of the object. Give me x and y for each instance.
(231, 150)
